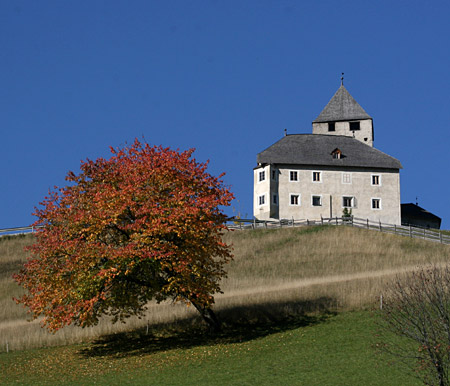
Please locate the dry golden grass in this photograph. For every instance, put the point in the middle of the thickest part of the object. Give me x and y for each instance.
(329, 266)
(12, 256)
(282, 271)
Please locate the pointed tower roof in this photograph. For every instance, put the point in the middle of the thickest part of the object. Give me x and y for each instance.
(342, 107)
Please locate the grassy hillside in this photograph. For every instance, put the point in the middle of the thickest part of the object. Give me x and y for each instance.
(275, 273)
(278, 306)
(340, 267)
(321, 350)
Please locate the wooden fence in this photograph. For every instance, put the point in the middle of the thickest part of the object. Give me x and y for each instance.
(16, 231)
(241, 224)
(409, 231)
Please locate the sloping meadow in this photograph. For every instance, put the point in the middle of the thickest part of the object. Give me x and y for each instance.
(275, 274)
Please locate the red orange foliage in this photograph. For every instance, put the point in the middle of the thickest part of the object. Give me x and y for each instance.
(144, 224)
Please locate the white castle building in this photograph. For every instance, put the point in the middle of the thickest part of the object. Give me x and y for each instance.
(309, 176)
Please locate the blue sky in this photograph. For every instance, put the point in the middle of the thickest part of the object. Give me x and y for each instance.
(224, 77)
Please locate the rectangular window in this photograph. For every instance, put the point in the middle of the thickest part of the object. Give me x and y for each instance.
(316, 200)
(275, 199)
(261, 200)
(376, 179)
(294, 199)
(346, 178)
(262, 176)
(376, 203)
(293, 175)
(317, 176)
(331, 126)
(274, 175)
(348, 202)
(354, 126)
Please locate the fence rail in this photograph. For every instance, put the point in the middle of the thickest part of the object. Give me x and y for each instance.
(402, 230)
(241, 224)
(17, 230)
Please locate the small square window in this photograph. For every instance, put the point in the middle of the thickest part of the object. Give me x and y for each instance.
(316, 200)
(275, 199)
(293, 175)
(354, 126)
(346, 178)
(347, 202)
(316, 176)
(295, 199)
(262, 176)
(375, 179)
(376, 203)
(331, 126)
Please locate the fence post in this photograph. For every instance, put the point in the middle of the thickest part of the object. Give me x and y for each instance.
(395, 229)
(352, 220)
(292, 220)
(424, 233)
(410, 231)
(381, 302)
(307, 222)
(321, 219)
(440, 236)
(368, 224)
(336, 221)
(379, 221)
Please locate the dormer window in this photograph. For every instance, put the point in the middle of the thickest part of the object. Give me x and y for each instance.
(336, 154)
(354, 126)
(331, 126)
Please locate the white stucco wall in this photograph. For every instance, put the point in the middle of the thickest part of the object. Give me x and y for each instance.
(365, 134)
(332, 188)
(261, 188)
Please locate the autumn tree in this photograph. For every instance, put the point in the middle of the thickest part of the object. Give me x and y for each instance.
(144, 225)
(417, 308)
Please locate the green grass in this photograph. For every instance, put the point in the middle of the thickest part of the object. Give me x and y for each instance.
(280, 286)
(322, 350)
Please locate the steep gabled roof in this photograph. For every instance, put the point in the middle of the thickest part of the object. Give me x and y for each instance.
(316, 149)
(342, 107)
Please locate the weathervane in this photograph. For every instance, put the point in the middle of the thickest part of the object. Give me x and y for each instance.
(342, 79)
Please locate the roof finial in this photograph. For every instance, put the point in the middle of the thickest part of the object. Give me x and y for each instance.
(342, 79)
(285, 132)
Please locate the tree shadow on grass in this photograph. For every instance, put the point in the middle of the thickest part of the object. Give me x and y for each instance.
(239, 324)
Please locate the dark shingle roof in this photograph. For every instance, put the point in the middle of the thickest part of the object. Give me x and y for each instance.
(316, 149)
(342, 107)
(415, 211)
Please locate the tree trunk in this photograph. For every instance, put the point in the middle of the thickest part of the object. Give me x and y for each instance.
(209, 317)
(442, 378)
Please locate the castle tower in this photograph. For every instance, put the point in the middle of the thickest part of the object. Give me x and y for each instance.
(344, 116)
